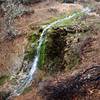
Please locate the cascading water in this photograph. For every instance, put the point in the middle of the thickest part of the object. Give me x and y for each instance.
(28, 79)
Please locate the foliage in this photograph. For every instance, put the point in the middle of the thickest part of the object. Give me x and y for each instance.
(30, 54)
(42, 55)
(31, 51)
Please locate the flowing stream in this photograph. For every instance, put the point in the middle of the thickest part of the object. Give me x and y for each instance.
(28, 79)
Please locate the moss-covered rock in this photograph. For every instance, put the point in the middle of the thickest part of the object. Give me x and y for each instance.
(62, 47)
(31, 48)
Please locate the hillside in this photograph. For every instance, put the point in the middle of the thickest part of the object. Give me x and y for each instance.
(49, 50)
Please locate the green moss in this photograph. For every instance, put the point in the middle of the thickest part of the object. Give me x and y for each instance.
(42, 55)
(71, 21)
(30, 53)
(26, 90)
(3, 79)
(32, 38)
(52, 19)
(77, 12)
(66, 23)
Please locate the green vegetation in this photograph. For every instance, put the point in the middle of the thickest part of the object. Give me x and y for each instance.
(42, 56)
(32, 38)
(30, 53)
(66, 22)
(3, 79)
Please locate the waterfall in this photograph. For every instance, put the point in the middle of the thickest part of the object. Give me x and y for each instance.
(28, 79)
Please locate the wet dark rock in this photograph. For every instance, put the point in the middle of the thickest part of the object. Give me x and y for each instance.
(63, 47)
(55, 50)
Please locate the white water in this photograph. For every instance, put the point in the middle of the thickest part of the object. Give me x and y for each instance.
(28, 79)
